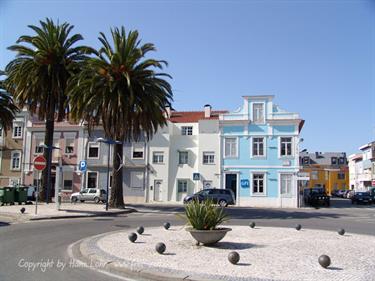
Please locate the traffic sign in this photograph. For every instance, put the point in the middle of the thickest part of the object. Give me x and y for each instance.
(196, 176)
(83, 165)
(40, 163)
(245, 183)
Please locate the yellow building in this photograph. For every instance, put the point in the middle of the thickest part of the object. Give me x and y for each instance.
(327, 170)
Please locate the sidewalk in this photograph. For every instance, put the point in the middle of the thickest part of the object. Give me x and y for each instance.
(67, 210)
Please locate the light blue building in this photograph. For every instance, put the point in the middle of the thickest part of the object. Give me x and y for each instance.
(260, 149)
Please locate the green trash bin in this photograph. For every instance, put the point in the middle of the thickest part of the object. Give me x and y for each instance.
(21, 194)
(9, 193)
(1, 195)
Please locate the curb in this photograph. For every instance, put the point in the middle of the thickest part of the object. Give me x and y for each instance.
(127, 211)
(82, 252)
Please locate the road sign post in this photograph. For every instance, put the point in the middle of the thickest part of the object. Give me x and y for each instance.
(39, 165)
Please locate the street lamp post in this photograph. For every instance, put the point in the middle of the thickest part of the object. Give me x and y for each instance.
(109, 142)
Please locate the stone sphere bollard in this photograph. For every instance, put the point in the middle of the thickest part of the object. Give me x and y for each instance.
(341, 231)
(22, 210)
(252, 224)
(324, 261)
(298, 227)
(160, 248)
(234, 257)
(140, 229)
(132, 237)
(167, 225)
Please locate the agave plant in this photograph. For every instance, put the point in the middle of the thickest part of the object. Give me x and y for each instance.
(204, 215)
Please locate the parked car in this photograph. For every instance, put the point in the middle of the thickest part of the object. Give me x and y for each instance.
(89, 194)
(340, 193)
(362, 197)
(223, 197)
(345, 195)
(372, 194)
(316, 196)
(350, 194)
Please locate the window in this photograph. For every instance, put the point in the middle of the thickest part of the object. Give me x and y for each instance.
(333, 160)
(340, 176)
(258, 183)
(186, 130)
(56, 152)
(341, 160)
(258, 112)
(306, 160)
(230, 147)
(136, 179)
(138, 149)
(157, 157)
(286, 184)
(258, 147)
(15, 163)
(1, 132)
(208, 158)
(17, 130)
(183, 157)
(92, 180)
(39, 146)
(182, 185)
(92, 191)
(93, 150)
(314, 175)
(69, 146)
(68, 181)
(286, 146)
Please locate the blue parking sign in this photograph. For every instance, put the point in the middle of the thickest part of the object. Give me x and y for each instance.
(83, 165)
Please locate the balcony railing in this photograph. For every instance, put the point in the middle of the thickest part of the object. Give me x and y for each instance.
(283, 115)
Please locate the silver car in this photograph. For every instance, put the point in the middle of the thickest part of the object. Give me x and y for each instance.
(89, 194)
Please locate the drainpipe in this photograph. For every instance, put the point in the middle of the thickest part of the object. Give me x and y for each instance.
(147, 171)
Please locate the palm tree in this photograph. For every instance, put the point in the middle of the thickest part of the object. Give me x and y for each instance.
(7, 109)
(38, 76)
(120, 89)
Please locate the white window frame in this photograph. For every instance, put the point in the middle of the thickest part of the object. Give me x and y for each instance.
(264, 147)
(186, 130)
(187, 157)
(292, 147)
(157, 154)
(93, 144)
(187, 185)
(17, 125)
(209, 154)
(19, 160)
(138, 147)
(258, 194)
(237, 148)
(66, 142)
(38, 144)
(264, 112)
(97, 178)
(132, 184)
(286, 195)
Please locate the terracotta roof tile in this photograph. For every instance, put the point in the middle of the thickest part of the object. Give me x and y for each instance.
(193, 116)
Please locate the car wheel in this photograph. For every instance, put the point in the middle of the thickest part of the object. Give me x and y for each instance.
(74, 199)
(97, 200)
(82, 201)
(223, 203)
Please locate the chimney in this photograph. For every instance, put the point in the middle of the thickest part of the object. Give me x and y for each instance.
(207, 111)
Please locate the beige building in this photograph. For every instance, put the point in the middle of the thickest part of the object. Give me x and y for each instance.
(11, 152)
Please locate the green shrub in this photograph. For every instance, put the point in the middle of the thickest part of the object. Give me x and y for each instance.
(205, 215)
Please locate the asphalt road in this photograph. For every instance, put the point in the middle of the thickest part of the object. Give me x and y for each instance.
(47, 241)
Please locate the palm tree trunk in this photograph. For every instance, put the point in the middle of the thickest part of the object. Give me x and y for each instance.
(117, 199)
(48, 140)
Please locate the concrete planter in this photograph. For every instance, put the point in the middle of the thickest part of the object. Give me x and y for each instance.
(208, 237)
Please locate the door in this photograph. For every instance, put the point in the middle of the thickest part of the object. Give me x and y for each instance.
(231, 183)
(158, 190)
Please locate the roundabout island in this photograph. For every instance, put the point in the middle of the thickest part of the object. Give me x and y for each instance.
(265, 253)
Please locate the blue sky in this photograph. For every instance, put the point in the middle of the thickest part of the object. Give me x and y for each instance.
(316, 57)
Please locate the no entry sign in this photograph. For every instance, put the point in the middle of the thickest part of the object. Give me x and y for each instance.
(40, 163)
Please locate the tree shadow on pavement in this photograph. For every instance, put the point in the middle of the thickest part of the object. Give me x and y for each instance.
(2, 223)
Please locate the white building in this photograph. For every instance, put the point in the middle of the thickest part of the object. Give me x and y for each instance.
(184, 155)
(362, 168)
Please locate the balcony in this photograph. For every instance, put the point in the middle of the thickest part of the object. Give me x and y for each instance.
(283, 116)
